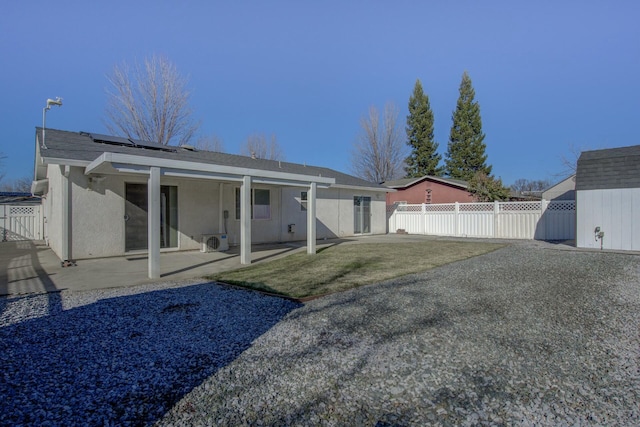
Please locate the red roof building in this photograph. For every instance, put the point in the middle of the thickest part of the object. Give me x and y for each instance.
(428, 189)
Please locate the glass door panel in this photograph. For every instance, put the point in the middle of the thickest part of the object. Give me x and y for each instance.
(136, 217)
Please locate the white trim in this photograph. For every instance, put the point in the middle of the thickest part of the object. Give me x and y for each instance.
(109, 158)
(360, 188)
(66, 162)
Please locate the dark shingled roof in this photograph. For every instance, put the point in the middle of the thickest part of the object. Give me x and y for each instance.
(407, 182)
(80, 146)
(610, 168)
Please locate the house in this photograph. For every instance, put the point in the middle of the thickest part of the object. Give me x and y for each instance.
(428, 189)
(608, 199)
(563, 190)
(110, 196)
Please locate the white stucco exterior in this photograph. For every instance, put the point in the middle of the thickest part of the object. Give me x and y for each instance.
(615, 211)
(97, 212)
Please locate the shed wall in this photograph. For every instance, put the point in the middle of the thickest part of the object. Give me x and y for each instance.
(615, 211)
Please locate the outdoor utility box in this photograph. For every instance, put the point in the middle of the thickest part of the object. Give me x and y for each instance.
(291, 228)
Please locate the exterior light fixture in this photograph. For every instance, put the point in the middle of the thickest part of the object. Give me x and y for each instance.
(50, 102)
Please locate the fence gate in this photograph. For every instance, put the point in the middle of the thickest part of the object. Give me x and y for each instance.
(20, 222)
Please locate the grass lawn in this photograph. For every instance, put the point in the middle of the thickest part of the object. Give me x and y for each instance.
(344, 266)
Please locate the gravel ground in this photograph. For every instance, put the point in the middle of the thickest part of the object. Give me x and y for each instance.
(121, 357)
(526, 335)
(523, 336)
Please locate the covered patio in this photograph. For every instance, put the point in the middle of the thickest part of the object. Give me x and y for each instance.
(29, 267)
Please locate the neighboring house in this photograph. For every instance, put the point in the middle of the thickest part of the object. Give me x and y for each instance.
(428, 189)
(608, 199)
(563, 190)
(97, 190)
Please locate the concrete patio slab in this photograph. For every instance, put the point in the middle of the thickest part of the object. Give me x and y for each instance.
(31, 267)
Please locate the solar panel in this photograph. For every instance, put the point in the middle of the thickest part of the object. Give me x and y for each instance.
(108, 139)
(152, 145)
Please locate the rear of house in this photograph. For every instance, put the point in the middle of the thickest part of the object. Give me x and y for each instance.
(96, 190)
(608, 199)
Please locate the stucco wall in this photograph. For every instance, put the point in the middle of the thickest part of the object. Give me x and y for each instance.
(615, 212)
(53, 218)
(440, 193)
(97, 210)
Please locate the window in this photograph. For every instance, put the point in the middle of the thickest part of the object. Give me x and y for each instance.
(260, 204)
(303, 201)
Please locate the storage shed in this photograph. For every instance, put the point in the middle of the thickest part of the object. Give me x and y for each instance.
(608, 199)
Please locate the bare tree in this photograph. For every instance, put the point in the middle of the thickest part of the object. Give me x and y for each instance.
(2, 157)
(258, 147)
(150, 102)
(18, 185)
(378, 152)
(570, 161)
(523, 185)
(210, 143)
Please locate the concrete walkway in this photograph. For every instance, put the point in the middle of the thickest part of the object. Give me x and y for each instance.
(31, 267)
(28, 267)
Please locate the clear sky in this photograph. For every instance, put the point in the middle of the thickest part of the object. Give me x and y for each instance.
(548, 75)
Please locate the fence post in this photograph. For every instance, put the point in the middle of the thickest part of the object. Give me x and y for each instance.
(4, 223)
(457, 216)
(423, 219)
(496, 212)
(542, 222)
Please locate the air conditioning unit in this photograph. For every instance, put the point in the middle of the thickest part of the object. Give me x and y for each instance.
(214, 242)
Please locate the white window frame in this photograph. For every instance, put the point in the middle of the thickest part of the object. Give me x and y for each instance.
(253, 204)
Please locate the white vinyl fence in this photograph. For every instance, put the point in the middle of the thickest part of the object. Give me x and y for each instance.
(20, 222)
(541, 220)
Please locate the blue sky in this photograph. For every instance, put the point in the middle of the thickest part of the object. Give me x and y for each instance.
(548, 75)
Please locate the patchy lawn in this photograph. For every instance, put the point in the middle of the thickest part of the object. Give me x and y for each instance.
(344, 266)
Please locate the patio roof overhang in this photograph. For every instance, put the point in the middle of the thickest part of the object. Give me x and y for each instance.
(114, 163)
(117, 163)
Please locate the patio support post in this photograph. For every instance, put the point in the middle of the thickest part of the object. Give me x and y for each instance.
(66, 213)
(311, 219)
(153, 187)
(221, 208)
(245, 221)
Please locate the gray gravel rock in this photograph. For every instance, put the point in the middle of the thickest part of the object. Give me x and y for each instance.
(523, 336)
(526, 335)
(121, 357)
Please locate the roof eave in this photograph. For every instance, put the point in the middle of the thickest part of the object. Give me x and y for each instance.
(107, 162)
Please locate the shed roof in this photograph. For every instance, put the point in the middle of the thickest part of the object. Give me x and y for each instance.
(81, 147)
(609, 168)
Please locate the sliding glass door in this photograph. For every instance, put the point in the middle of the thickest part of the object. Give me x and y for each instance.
(362, 215)
(136, 216)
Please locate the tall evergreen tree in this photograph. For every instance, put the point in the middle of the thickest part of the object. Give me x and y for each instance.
(424, 159)
(466, 150)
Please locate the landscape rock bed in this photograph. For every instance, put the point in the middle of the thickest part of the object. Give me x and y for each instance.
(525, 335)
(121, 357)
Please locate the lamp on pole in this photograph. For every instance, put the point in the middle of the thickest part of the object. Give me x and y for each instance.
(50, 102)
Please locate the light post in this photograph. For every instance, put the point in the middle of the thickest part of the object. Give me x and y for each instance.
(50, 102)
